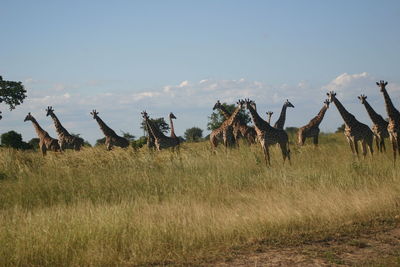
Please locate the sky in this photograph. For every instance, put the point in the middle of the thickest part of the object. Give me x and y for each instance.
(124, 57)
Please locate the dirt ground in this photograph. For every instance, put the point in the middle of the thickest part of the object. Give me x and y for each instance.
(373, 248)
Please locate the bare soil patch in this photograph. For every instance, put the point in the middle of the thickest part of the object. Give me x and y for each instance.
(371, 248)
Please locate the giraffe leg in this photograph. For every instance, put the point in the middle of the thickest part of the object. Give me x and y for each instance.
(378, 147)
(355, 142)
(300, 138)
(61, 144)
(350, 141)
(394, 145)
(383, 146)
(315, 139)
(213, 141)
(266, 153)
(225, 140)
(230, 139)
(285, 151)
(108, 143)
(398, 144)
(364, 148)
(43, 149)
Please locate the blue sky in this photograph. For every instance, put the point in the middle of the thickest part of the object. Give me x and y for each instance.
(182, 56)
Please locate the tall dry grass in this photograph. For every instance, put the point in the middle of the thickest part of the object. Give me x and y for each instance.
(121, 207)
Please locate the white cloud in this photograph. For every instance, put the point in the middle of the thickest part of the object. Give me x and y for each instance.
(191, 101)
(203, 81)
(184, 84)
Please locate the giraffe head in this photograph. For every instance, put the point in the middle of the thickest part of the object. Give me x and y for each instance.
(240, 103)
(49, 111)
(249, 104)
(217, 105)
(326, 102)
(288, 104)
(172, 116)
(94, 113)
(269, 113)
(382, 84)
(362, 98)
(331, 96)
(145, 115)
(28, 117)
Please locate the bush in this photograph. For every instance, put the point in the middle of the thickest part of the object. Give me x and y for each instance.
(193, 134)
(14, 140)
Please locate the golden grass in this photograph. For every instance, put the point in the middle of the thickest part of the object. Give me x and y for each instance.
(121, 207)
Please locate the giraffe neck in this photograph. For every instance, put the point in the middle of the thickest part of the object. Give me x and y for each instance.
(225, 112)
(375, 117)
(234, 115)
(59, 128)
(154, 130)
(39, 130)
(269, 118)
(320, 116)
(259, 123)
(392, 112)
(347, 116)
(104, 128)
(282, 117)
(172, 128)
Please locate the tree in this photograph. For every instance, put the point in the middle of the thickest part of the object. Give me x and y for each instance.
(217, 118)
(14, 140)
(159, 123)
(34, 142)
(340, 129)
(130, 137)
(85, 142)
(100, 141)
(193, 134)
(11, 93)
(136, 144)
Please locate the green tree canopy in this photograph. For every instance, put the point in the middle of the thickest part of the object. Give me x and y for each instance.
(193, 134)
(100, 141)
(340, 129)
(85, 142)
(11, 93)
(130, 137)
(34, 142)
(141, 141)
(159, 123)
(217, 118)
(14, 140)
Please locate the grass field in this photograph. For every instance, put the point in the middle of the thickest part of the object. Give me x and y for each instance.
(135, 207)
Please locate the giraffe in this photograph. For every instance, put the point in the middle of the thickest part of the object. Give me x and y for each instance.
(160, 140)
(240, 129)
(64, 137)
(112, 139)
(312, 128)
(46, 142)
(172, 116)
(394, 120)
(150, 141)
(379, 127)
(269, 116)
(282, 117)
(354, 130)
(225, 131)
(268, 135)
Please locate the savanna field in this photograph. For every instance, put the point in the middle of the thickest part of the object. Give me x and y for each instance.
(127, 207)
